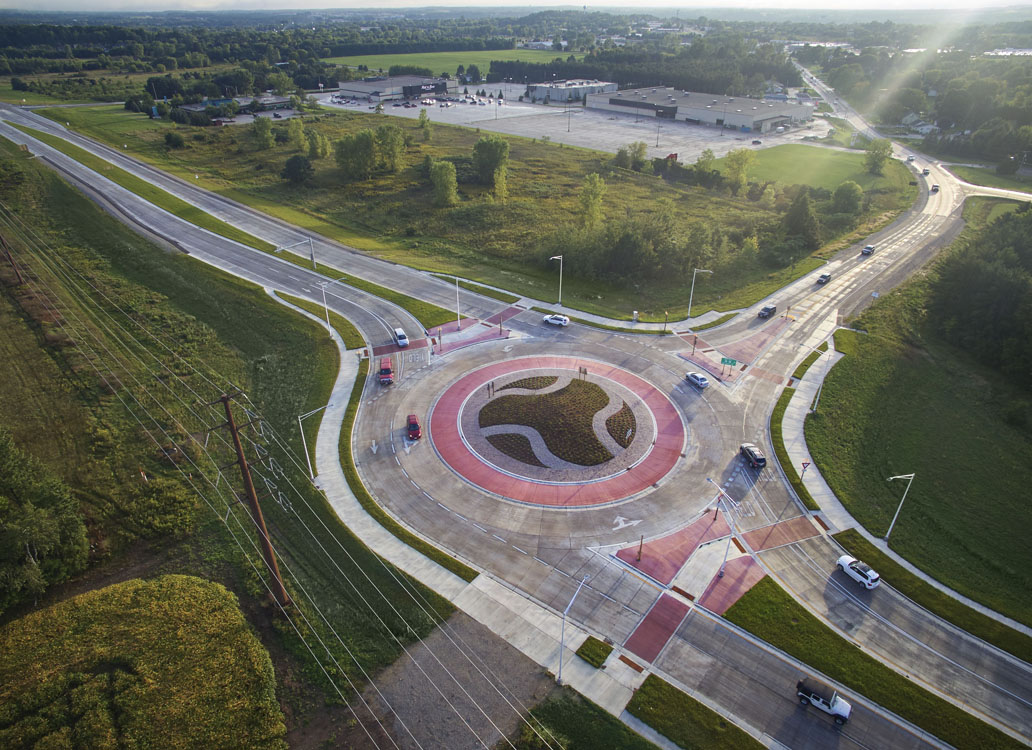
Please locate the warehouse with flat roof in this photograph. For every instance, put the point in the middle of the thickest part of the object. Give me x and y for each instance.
(567, 91)
(384, 88)
(733, 112)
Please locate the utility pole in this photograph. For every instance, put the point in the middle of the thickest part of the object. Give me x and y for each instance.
(279, 593)
(10, 259)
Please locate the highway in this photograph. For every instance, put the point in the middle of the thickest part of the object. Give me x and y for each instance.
(544, 552)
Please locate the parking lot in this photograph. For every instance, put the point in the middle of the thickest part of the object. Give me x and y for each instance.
(595, 129)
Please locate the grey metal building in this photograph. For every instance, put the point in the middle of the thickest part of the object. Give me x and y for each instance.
(384, 88)
(563, 91)
(732, 112)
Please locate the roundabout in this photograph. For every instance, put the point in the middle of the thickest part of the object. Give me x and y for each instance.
(599, 435)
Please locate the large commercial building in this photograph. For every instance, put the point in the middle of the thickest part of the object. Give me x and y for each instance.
(734, 112)
(564, 91)
(382, 88)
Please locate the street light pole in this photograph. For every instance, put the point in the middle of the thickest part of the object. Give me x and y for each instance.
(731, 521)
(910, 479)
(304, 443)
(560, 259)
(562, 636)
(326, 309)
(692, 293)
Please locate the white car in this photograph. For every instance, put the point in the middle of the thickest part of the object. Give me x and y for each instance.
(860, 572)
(697, 379)
(557, 320)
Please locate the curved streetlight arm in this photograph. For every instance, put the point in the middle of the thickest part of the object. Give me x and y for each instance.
(910, 479)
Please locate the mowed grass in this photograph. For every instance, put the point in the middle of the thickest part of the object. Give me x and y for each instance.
(570, 721)
(501, 245)
(825, 168)
(770, 613)
(683, 720)
(102, 668)
(149, 192)
(448, 62)
(989, 178)
(902, 401)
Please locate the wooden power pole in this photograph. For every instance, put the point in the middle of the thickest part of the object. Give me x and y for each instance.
(279, 592)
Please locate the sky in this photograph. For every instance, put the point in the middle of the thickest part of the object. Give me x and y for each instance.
(159, 5)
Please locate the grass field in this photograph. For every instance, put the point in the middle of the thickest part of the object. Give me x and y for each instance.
(683, 720)
(768, 612)
(594, 651)
(575, 723)
(102, 668)
(447, 62)
(233, 331)
(479, 240)
(902, 401)
(989, 178)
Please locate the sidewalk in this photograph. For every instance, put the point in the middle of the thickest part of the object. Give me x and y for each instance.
(832, 510)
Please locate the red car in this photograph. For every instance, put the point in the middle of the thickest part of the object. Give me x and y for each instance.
(414, 430)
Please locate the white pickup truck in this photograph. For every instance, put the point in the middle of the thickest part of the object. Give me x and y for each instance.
(824, 698)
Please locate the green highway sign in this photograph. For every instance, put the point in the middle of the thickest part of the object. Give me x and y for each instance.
(728, 361)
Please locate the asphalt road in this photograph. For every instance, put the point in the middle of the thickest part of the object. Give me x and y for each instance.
(544, 553)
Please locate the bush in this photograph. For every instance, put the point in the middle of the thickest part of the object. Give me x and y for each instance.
(174, 139)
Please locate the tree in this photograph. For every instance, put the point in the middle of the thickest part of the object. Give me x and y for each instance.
(445, 186)
(593, 190)
(622, 158)
(261, 129)
(296, 133)
(279, 82)
(473, 74)
(705, 161)
(848, 199)
(639, 151)
(424, 118)
(390, 144)
(501, 185)
(736, 167)
(490, 154)
(801, 222)
(878, 152)
(174, 139)
(356, 154)
(298, 169)
(318, 145)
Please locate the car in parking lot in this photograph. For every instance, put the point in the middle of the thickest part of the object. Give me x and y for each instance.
(868, 250)
(413, 430)
(697, 379)
(557, 320)
(752, 455)
(824, 278)
(860, 572)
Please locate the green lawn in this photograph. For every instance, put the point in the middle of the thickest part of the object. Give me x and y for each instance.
(824, 168)
(594, 651)
(902, 401)
(448, 62)
(683, 720)
(768, 612)
(102, 668)
(778, 440)
(572, 722)
(989, 178)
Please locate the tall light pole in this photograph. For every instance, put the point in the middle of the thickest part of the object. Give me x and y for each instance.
(729, 512)
(692, 293)
(304, 443)
(910, 479)
(562, 635)
(560, 259)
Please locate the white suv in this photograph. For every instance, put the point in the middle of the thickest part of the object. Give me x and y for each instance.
(860, 572)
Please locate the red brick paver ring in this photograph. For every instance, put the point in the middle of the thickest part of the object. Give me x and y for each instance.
(669, 430)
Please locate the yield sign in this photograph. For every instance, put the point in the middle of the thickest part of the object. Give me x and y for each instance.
(805, 464)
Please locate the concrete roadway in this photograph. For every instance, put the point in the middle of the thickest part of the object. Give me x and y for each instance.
(545, 553)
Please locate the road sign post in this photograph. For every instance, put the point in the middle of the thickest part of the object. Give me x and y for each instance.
(805, 465)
